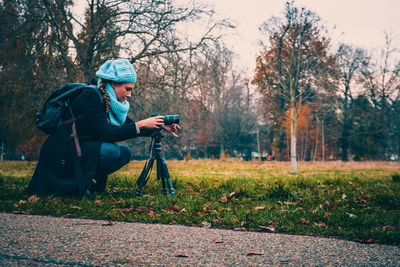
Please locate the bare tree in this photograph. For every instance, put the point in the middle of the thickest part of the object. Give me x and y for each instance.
(288, 71)
(381, 80)
(349, 61)
(135, 29)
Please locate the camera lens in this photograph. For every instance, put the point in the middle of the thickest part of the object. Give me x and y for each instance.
(170, 119)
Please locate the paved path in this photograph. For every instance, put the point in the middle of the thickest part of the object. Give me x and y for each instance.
(52, 241)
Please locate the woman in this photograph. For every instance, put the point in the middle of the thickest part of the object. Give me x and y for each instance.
(101, 120)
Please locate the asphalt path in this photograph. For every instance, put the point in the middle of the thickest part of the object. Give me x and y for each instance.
(32, 240)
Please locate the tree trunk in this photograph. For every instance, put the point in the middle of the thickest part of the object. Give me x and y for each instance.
(258, 145)
(323, 141)
(315, 153)
(344, 139)
(2, 149)
(293, 141)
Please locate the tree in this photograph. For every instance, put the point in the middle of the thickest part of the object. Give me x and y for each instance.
(137, 29)
(381, 80)
(50, 45)
(288, 71)
(28, 69)
(365, 132)
(349, 61)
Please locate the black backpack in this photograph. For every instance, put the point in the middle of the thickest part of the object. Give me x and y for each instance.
(49, 118)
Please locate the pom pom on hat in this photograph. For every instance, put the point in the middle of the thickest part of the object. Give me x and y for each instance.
(118, 70)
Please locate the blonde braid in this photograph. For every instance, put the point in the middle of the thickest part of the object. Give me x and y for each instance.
(106, 97)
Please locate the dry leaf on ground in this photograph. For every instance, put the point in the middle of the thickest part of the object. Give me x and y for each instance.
(254, 253)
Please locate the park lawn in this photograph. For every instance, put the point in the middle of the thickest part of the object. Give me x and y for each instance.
(356, 201)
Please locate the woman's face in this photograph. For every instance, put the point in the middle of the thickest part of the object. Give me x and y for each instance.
(123, 90)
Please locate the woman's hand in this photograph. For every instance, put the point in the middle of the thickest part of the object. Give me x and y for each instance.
(152, 122)
(172, 128)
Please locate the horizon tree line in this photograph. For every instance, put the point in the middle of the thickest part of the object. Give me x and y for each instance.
(305, 108)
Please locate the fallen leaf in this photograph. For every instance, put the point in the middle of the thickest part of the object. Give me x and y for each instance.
(97, 201)
(206, 224)
(259, 208)
(176, 208)
(321, 224)
(223, 199)
(216, 181)
(270, 228)
(33, 198)
(288, 203)
(254, 253)
(128, 209)
(182, 211)
(108, 224)
(284, 208)
(169, 211)
(76, 207)
(218, 241)
(365, 241)
(198, 214)
(304, 221)
(181, 255)
(219, 219)
(142, 208)
(351, 215)
(17, 212)
(314, 211)
(344, 196)
(232, 194)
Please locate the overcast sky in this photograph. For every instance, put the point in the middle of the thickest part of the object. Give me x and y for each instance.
(357, 22)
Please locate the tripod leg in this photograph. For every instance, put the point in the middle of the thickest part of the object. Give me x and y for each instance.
(165, 175)
(161, 177)
(142, 180)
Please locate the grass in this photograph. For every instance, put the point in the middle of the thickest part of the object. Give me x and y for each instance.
(356, 201)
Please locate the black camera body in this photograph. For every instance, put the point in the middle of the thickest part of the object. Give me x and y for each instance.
(168, 119)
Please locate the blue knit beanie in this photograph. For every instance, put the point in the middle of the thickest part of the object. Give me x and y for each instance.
(118, 70)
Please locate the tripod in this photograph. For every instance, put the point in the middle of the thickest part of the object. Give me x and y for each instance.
(162, 170)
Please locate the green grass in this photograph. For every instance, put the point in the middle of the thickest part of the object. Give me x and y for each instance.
(356, 201)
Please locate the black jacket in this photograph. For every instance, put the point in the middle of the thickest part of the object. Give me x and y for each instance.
(55, 172)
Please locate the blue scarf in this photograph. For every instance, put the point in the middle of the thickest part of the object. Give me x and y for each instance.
(118, 110)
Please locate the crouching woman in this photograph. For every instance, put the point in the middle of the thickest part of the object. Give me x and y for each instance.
(101, 120)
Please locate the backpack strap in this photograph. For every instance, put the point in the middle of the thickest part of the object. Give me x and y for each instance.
(78, 155)
(74, 119)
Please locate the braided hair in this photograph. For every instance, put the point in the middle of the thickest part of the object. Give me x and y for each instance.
(106, 97)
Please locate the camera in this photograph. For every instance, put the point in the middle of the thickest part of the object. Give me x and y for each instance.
(168, 119)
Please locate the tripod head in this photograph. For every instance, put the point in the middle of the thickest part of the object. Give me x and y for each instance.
(157, 135)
